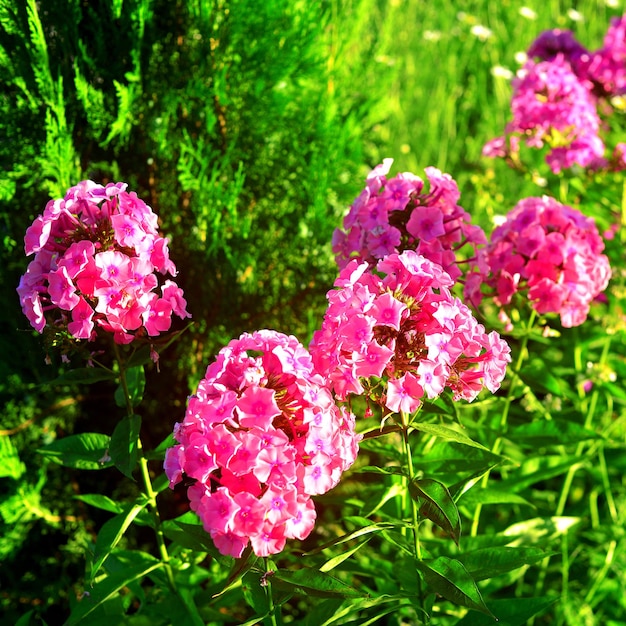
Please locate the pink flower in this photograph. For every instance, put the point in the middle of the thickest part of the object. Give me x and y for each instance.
(97, 252)
(419, 338)
(260, 437)
(550, 254)
(396, 214)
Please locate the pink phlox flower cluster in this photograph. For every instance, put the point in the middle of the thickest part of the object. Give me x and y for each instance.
(97, 252)
(395, 214)
(557, 97)
(400, 327)
(261, 436)
(552, 106)
(549, 253)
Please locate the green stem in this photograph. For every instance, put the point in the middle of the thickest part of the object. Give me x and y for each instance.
(146, 480)
(504, 417)
(267, 585)
(413, 508)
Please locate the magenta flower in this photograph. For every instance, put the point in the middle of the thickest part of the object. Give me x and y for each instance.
(396, 214)
(97, 256)
(397, 334)
(549, 253)
(261, 436)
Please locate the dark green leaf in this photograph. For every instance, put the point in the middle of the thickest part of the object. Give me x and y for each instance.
(437, 505)
(136, 383)
(312, 582)
(191, 536)
(489, 562)
(83, 375)
(449, 578)
(539, 378)
(509, 612)
(124, 444)
(84, 451)
(240, 567)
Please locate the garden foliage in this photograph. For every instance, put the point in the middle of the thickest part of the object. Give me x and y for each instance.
(397, 399)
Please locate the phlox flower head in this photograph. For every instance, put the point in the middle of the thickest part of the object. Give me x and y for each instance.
(261, 435)
(396, 334)
(550, 254)
(100, 265)
(395, 214)
(552, 107)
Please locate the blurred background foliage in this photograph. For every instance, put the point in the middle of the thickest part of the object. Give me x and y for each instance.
(248, 127)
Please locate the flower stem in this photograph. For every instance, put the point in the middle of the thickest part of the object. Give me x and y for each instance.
(267, 585)
(413, 505)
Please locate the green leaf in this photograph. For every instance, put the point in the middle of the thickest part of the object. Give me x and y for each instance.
(136, 383)
(550, 432)
(449, 578)
(124, 444)
(100, 502)
(10, 464)
(107, 587)
(490, 562)
(111, 533)
(447, 434)
(539, 378)
(437, 505)
(83, 375)
(488, 495)
(191, 536)
(84, 451)
(509, 612)
(312, 582)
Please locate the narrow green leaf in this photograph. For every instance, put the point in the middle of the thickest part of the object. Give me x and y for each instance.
(84, 451)
(539, 378)
(488, 495)
(100, 502)
(124, 444)
(359, 532)
(449, 578)
(447, 434)
(437, 505)
(490, 562)
(387, 471)
(136, 383)
(107, 587)
(111, 532)
(342, 556)
(313, 582)
(510, 612)
(83, 375)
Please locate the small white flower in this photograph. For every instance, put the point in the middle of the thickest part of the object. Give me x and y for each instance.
(431, 35)
(574, 15)
(521, 58)
(528, 13)
(498, 71)
(481, 32)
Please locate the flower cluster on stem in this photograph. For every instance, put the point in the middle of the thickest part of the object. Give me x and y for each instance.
(261, 436)
(97, 254)
(549, 253)
(397, 334)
